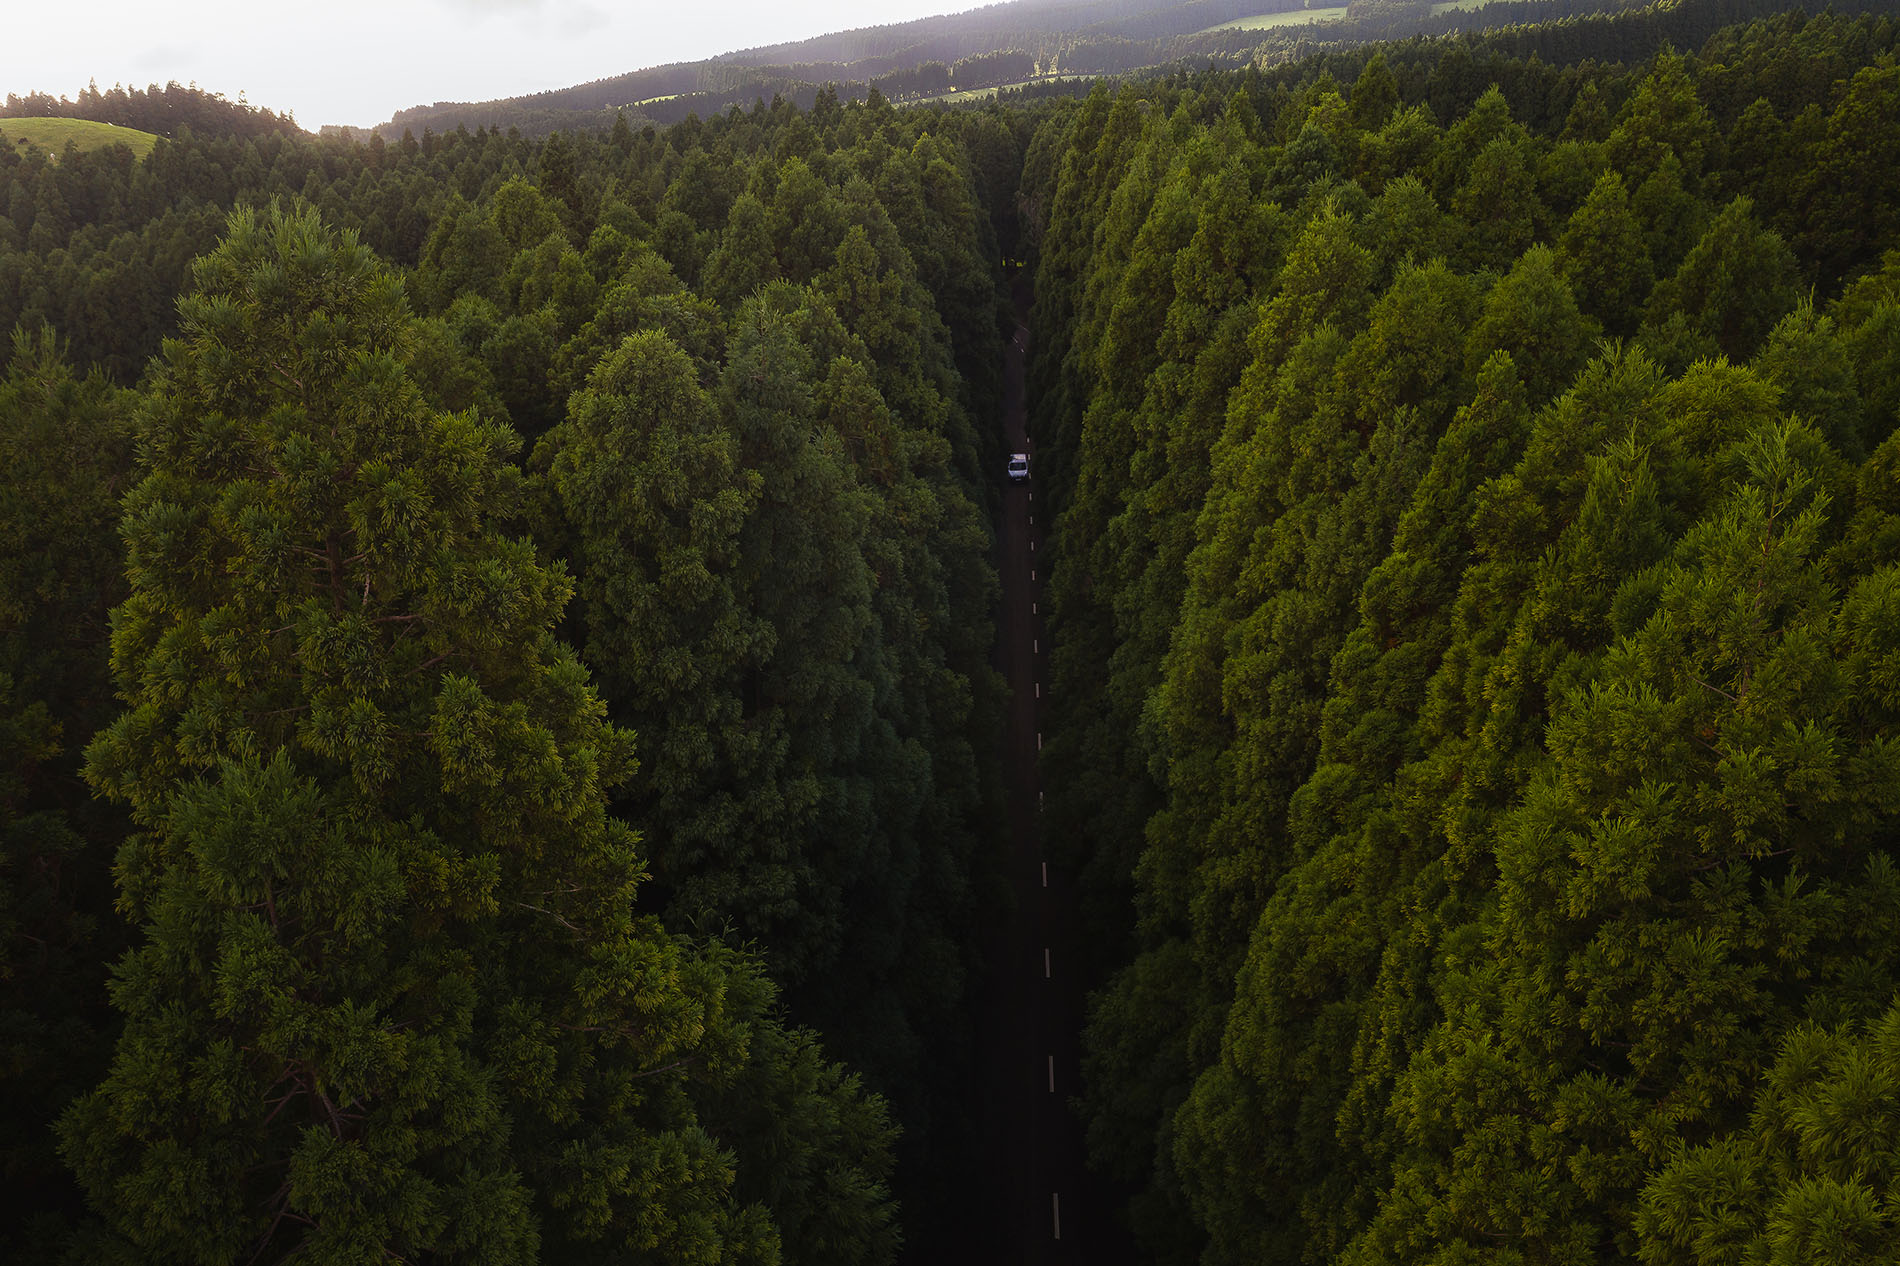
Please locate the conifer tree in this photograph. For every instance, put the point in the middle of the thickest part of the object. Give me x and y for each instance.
(1255, 1218)
(1733, 287)
(1604, 257)
(1532, 315)
(1489, 120)
(1407, 225)
(1497, 205)
(1664, 116)
(1806, 1181)
(390, 994)
(1203, 349)
(650, 501)
(743, 261)
(1401, 147)
(799, 826)
(1805, 356)
(1104, 549)
(65, 459)
(1303, 993)
(1456, 1094)
(1672, 217)
(1375, 93)
(1845, 212)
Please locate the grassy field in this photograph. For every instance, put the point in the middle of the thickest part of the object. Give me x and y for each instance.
(1294, 17)
(1267, 21)
(51, 135)
(981, 94)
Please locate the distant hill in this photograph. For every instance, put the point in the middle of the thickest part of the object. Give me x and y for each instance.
(161, 111)
(53, 134)
(1025, 46)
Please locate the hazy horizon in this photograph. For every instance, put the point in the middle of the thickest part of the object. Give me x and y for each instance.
(360, 63)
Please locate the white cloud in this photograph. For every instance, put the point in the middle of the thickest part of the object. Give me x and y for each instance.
(493, 8)
(160, 57)
(359, 61)
(582, 19)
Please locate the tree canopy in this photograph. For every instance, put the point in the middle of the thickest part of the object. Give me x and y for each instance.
(498, 727)
(1464, 710)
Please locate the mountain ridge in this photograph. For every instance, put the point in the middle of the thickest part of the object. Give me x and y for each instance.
(1030, 45)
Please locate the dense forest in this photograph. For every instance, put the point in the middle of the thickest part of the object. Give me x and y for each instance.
(1477, 476)
(498, 723)
(546, 591)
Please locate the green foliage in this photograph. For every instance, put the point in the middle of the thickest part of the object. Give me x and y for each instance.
(1532, 316)
(1733, 287)
(1603, 255)
(1497, 205)
(391, 993)
(1844, 218)
(766, 493)
(1664, 117)
(1471, 604)
(65, 454)
(1374, 94)
(1492, 692)
(648, 490)
(1805, 1180)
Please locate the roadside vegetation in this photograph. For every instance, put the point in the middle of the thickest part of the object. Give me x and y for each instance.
(497, 715)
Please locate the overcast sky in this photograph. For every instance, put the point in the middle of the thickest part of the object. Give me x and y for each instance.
(359, 61)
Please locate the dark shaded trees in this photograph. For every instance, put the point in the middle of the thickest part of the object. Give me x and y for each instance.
(65, 459)
(1471, 713)
(390, 993)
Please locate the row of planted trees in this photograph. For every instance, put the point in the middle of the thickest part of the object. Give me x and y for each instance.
(541, 813)
(1487, 544)
(1490, 801)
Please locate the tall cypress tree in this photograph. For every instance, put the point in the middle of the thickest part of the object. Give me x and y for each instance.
(390, 997)
(650, 500)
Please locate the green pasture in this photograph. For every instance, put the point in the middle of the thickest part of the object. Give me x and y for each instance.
(1295, 17)
(51, 135)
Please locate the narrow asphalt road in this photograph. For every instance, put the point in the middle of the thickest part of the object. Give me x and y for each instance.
(1048, 1208)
